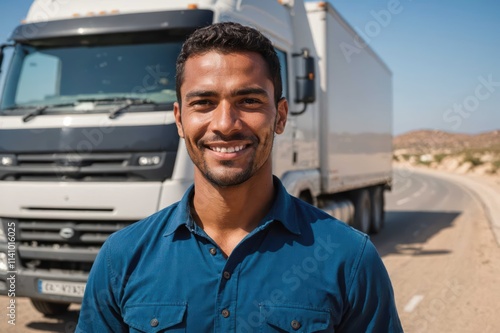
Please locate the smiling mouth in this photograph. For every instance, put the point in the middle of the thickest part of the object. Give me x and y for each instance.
(227, 149)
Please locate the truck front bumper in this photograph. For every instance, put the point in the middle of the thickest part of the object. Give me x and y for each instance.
(27, 283)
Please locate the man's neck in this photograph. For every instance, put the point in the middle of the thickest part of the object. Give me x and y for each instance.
(228, 214)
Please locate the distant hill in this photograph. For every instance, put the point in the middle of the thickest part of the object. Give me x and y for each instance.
(432, 141)
(453, 152)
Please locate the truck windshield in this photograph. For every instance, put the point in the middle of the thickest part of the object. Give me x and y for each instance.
(46, 76)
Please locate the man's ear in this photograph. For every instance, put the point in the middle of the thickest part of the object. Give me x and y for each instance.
(178, 119)
(281, 115)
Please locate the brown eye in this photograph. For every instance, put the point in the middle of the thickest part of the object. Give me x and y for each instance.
(201, 105)
(201, 102)
(251, 103)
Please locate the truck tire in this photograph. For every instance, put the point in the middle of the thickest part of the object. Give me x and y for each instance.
(362, 211)
(307, 197)
(377, 209)
(50, 308)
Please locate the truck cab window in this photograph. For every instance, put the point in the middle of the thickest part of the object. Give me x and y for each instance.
(39, 78)
(67, 74)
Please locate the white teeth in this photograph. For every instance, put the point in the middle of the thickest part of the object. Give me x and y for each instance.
(228, 149)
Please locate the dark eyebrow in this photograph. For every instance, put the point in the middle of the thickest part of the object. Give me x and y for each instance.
(200, 93)
(249, 91)
(239, 92)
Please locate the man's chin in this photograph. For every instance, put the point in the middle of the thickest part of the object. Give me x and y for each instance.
(228, 180)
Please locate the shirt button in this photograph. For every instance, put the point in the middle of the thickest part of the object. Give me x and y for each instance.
(213, 251)
(295, 324)
(154, 322)
(227, 275)
(225, 313)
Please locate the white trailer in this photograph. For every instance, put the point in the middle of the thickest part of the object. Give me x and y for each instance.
(88, 142)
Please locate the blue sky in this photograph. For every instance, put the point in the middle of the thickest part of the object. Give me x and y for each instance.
(444, 55)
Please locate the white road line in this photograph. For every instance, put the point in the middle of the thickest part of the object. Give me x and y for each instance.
(412, 304)
(420, 191)
(403, 201)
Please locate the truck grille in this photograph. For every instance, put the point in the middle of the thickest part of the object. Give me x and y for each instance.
(92, 167)
(69, 246)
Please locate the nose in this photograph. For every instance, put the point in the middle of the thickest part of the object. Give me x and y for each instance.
(225, 119)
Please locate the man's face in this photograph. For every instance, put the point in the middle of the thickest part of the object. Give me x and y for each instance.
(229, 116)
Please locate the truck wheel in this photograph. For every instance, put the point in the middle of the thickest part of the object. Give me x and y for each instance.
(50, 308)
(362, 211)
(306, 196)
(377, 211)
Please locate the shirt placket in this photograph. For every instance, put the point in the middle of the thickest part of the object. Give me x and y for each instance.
(225, 309)
(229, 268)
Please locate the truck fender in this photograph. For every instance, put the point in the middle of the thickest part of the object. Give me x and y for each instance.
(298, 181)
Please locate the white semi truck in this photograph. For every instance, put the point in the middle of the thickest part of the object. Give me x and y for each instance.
(88, 143)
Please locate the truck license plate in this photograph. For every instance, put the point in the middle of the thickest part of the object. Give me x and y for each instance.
(61, 288)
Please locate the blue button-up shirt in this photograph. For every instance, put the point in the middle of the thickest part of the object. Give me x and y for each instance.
(300, 270)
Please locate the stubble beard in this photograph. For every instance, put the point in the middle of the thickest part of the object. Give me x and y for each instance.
(228, 177)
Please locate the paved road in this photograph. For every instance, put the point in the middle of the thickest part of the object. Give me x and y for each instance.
(438, 248)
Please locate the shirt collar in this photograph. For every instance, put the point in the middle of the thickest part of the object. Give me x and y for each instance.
(181, 214)
(282, 210)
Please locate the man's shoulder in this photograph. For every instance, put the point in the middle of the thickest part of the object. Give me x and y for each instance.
(323, 223)
(332, 242)
(143, 230)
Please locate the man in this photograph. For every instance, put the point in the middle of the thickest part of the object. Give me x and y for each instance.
(237, 253)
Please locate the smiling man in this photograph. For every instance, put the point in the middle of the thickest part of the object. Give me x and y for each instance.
(237, 253)
(228, 115)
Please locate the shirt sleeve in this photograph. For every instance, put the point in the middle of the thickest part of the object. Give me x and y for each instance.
(100, 311)
(371, 307)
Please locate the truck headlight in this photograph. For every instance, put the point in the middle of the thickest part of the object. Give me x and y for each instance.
(149, 160)
(3, 262)
(7, 160)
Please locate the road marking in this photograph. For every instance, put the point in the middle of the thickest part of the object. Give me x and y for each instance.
(412, 304)
(403, 201)
(421, 190)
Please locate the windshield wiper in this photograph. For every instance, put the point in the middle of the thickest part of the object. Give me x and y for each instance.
(129, 102)
(126, 103)
(40, 110)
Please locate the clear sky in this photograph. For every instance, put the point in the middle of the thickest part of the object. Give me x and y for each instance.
(444, 55)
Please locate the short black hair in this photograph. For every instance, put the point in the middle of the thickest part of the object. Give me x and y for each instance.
(229, 37)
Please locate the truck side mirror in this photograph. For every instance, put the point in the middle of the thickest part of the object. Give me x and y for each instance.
(305, 91)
